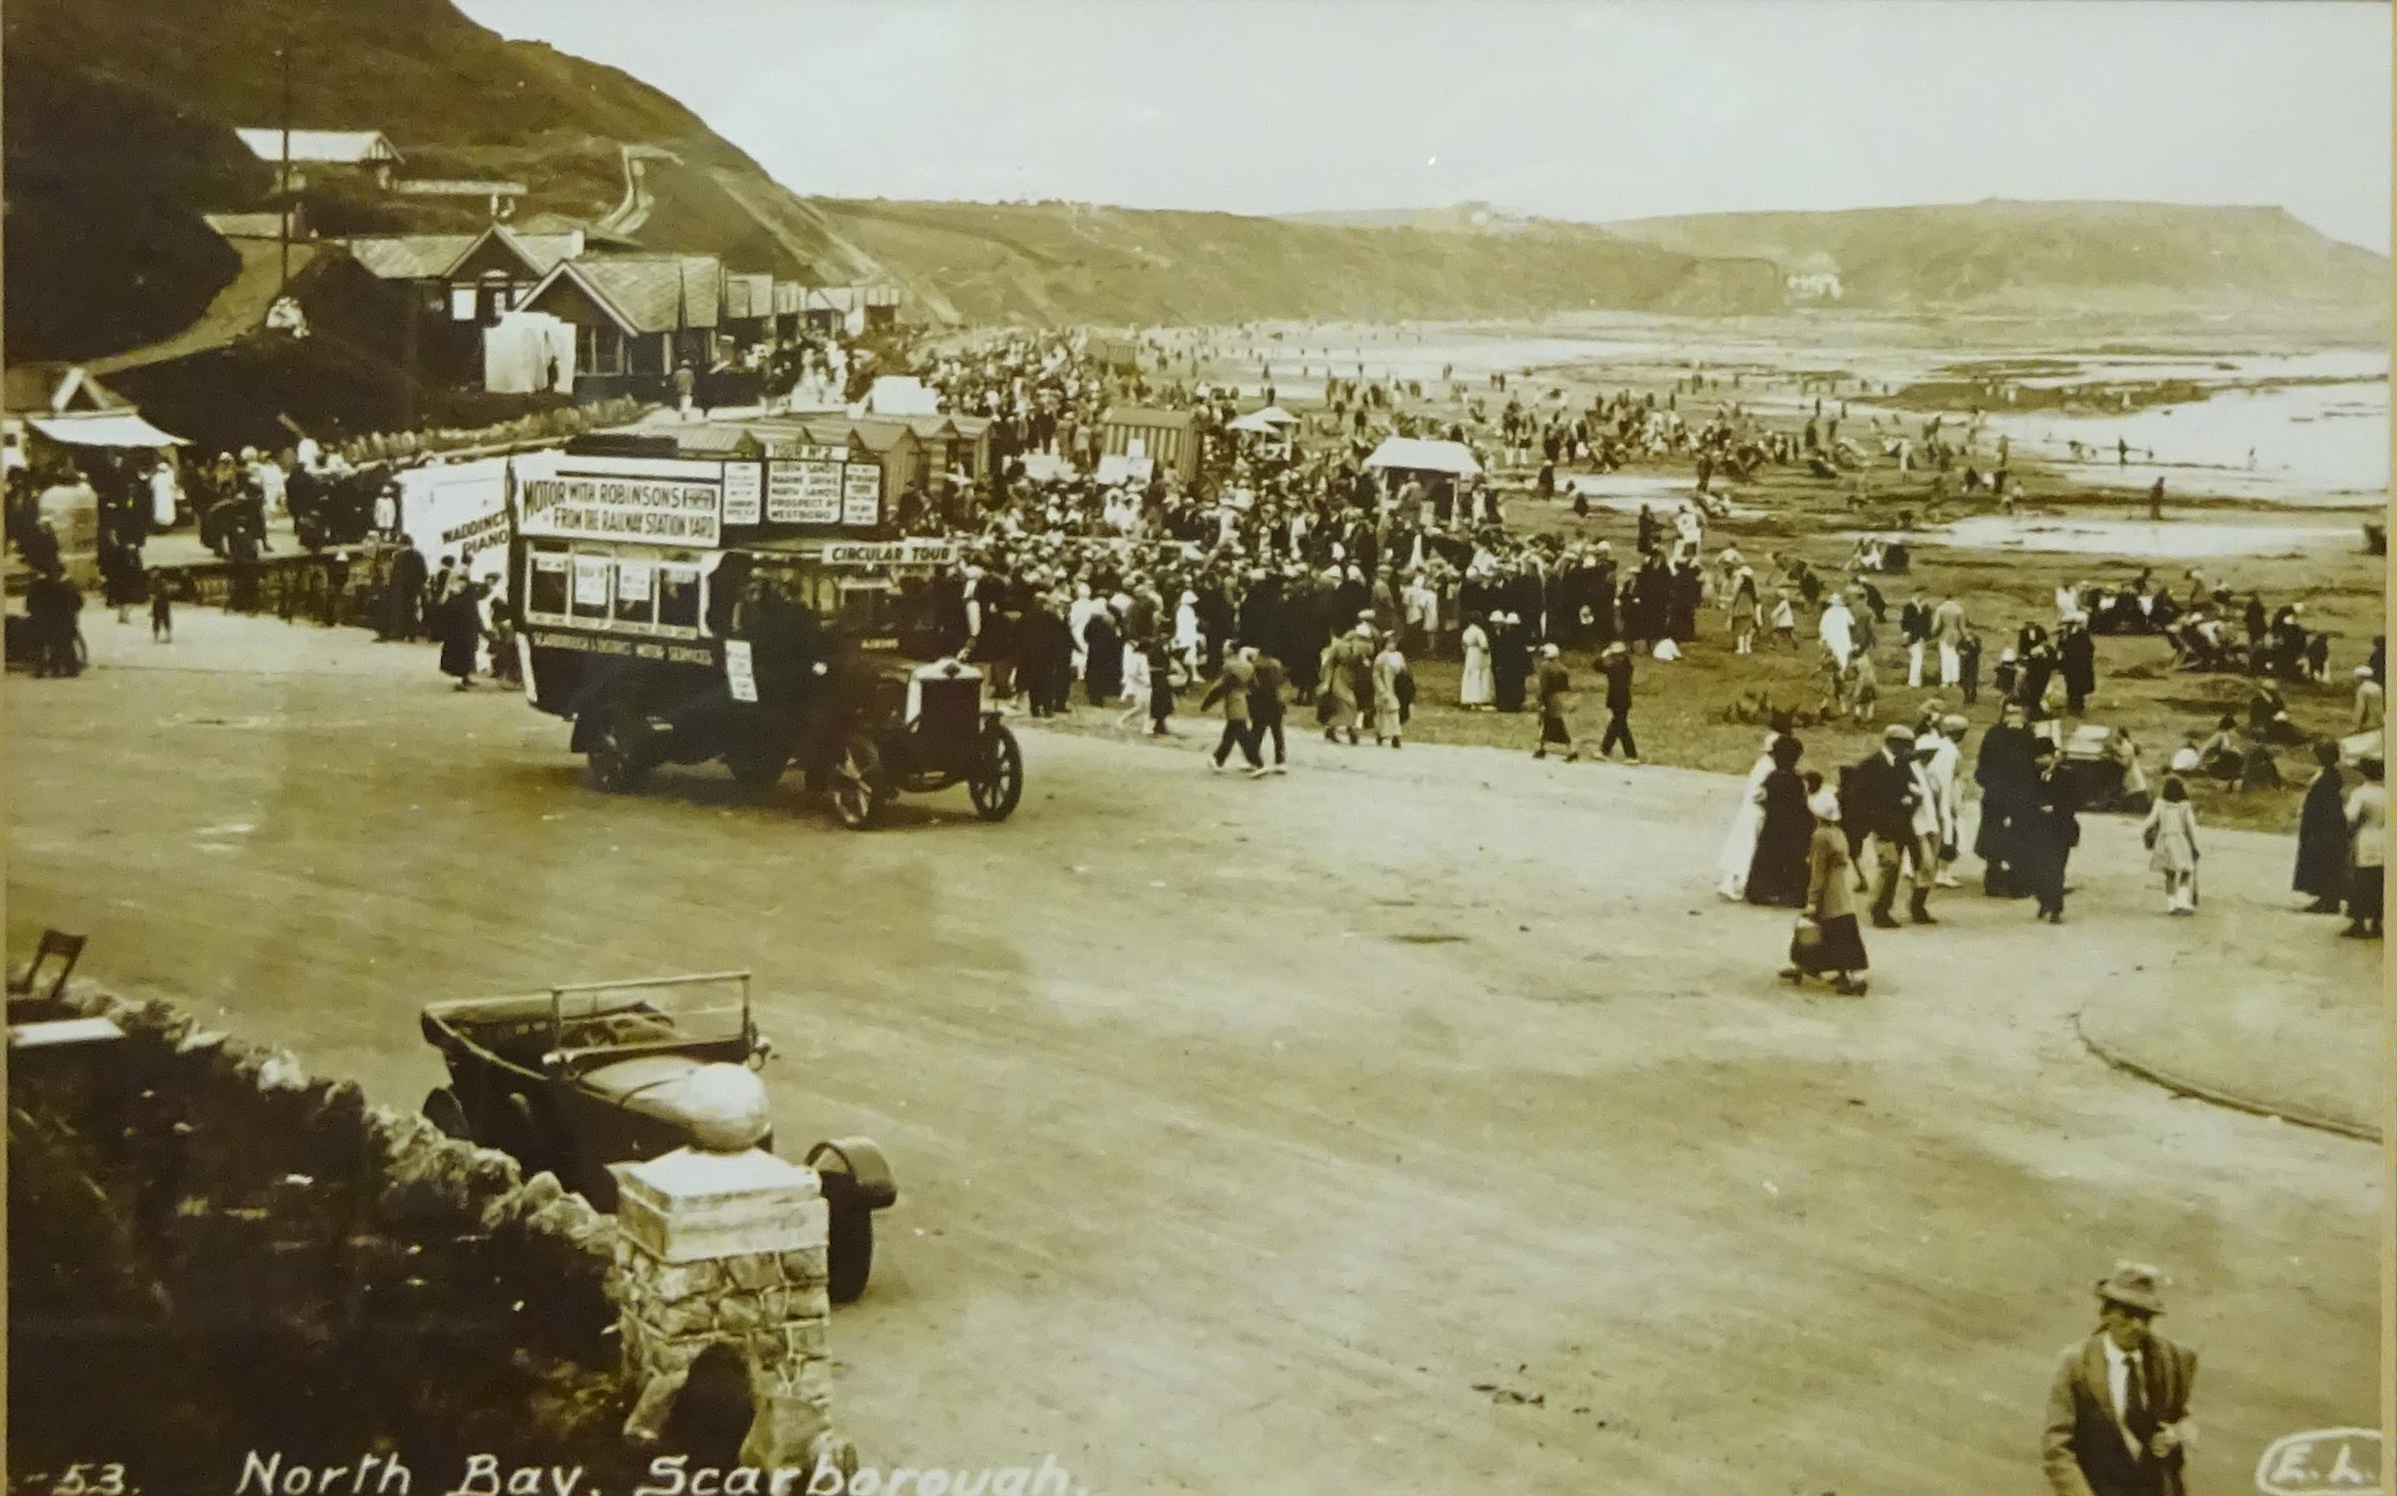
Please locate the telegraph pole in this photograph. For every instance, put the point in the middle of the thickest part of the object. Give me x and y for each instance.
(283, 185)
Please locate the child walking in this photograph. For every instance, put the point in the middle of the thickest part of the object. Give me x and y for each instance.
(2171, 835)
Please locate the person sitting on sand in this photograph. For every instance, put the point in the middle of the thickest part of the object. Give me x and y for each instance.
(2220, 756)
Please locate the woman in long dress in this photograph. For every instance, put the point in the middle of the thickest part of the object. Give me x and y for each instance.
(2322, 834)
(1510, 663)
(1389, 668)
(1828, 941)
(1478, 688)
(1186, 635)
(1103, 654)
(2367, 824)
(1739, 843)
(1784, 834)
(2171, 834)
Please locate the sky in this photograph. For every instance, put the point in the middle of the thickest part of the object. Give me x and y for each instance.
(1560, 108)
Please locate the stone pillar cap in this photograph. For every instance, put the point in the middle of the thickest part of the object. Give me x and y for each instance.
(693, 1174)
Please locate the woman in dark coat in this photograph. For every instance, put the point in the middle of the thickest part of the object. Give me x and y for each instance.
(1510, 663)
(2322, 834)
(1777, 873)
(2049, 831)
(1103, 674)
(461, 633)
(2007, 778)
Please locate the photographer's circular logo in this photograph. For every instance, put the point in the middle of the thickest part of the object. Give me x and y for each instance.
(2326, 1462)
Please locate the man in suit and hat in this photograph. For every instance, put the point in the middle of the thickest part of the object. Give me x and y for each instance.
(2118, 1416)
(1879, 798)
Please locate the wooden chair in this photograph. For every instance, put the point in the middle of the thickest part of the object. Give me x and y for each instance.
(64, 950)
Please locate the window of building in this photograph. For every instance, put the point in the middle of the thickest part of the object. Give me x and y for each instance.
(598, 349)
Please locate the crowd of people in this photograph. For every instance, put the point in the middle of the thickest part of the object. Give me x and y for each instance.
(1294, 566)
(1293, 573)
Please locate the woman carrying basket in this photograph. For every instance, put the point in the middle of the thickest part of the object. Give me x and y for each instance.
(1827, 941)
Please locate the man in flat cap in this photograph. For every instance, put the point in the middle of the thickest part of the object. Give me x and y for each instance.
(1878, 800)
(2118, 1417)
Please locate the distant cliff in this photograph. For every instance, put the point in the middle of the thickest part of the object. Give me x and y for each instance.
(2062, 256)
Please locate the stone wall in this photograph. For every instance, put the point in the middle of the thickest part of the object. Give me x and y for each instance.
(211, 1251)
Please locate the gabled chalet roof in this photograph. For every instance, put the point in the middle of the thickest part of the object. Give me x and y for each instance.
(644, 293)
(540, 252)
(411, 256)
(435, 256)
(880, 436)
(340, 147)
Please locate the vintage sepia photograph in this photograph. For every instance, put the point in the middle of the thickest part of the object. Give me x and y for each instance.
(1067, 749)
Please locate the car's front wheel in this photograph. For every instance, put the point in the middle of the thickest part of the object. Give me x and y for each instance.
(998, 782)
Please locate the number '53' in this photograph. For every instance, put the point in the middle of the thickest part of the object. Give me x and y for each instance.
(90, 1480)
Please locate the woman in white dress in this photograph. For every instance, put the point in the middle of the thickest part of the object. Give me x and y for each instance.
(1739, 844)
(1186, 634)
(1477, 691)
(1077, 619)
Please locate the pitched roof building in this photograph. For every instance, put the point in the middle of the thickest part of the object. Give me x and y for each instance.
(326, 147)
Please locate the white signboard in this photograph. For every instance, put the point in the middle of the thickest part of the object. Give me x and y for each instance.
(740, 672)
(591, 581)
(784, 495)
(664, 501)
(803, 491)
(744, 493)
(892, 553)
(635, 581)
(459, 509)
(820, 490)
(861, 494)
(805, 452)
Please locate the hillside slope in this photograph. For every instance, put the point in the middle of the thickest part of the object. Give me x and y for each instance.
(119, 134)
(2032, 255)
(120, 119)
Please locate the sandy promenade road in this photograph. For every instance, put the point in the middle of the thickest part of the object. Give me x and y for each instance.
(1280, 1136)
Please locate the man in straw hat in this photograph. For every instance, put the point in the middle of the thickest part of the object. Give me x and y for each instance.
(2118, 1416)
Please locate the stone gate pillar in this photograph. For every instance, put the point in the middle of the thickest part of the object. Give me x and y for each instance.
(729, 1249)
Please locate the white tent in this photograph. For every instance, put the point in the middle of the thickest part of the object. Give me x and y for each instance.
(1266, 422)
(901, 395)
(109, 428)
(522, 348)
(1411, 454)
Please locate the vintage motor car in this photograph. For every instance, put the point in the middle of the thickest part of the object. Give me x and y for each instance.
(589, 1075)
(764, 656)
